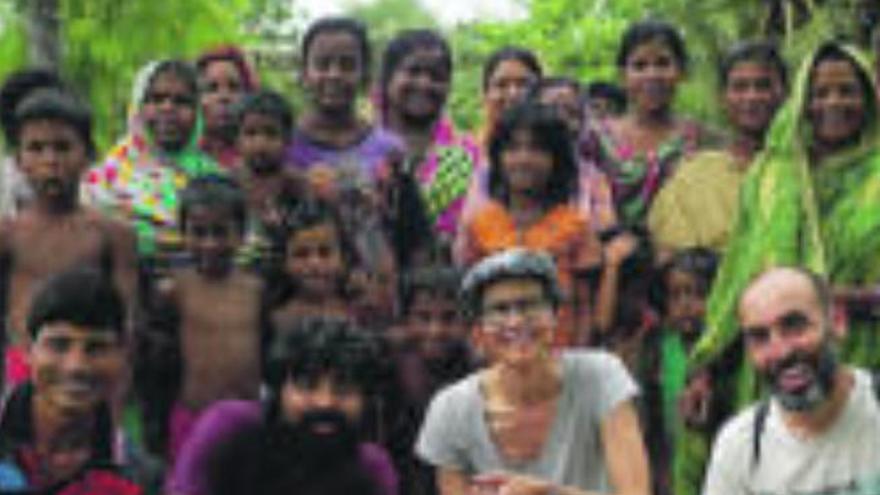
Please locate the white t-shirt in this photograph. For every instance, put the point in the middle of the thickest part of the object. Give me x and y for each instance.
(455, 433)
(843, 461)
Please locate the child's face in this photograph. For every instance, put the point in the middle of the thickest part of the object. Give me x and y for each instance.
(52, 155)
(261, 142)
(525, 165)
(568, 104)
(222, 88)
(434, 324)
(212, 237)
(169, 111)
(686, 301)
(333, 71)
(419, 85)
(314, 259)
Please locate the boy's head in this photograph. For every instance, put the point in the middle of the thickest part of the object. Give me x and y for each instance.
(16, 88)
(318, 253)
(686, 280)
(753, 80)
(212, 217)
(77, 326)
(429, 300)
(563, 94)
(53, 143)
(263, 123)
(321, 372)
(605, 99)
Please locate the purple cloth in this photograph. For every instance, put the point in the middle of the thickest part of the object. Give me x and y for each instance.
(366, 155)
(226, 418)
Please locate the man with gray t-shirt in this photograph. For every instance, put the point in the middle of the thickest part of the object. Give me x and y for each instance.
(819, 432)
(535, 421)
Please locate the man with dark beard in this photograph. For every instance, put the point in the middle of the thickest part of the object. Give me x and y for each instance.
(320, 375)
(819, 432)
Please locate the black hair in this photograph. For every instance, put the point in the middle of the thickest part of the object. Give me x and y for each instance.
(298, 215)
(348, 25)
(609, 91)
(83, 297)
(265, 102)
(402, 45)
(312, 347)
(642, 32)
(546, 83)
(551, 134)
(833, 51)
(214, 191)
(444, 280)
(183, 70)
(54, 104)
(519, 54)
(16, 88)
(762, 52)
(700, 262)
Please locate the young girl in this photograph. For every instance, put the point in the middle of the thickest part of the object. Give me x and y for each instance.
(319, 274)
(532, 179)
(336, 69)
(640, 150)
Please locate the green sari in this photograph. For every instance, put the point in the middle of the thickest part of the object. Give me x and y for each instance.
(825, 217)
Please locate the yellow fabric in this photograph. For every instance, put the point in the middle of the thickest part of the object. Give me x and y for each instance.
(698, 205)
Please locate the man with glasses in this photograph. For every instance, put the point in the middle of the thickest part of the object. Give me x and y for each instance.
(535, 421)
(819, 432)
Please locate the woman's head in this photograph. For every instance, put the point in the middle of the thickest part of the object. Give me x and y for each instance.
(318, 255)
(840, 101)
(507, 75)
(169, 105)
(415, 78)
(224, 77)
(652, 60)
(531, 153)
(336, 63)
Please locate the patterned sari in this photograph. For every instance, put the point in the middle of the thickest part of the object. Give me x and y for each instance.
(822, 216)
(139, 183)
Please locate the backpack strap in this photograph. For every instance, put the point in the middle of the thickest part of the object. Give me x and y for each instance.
(758, 431)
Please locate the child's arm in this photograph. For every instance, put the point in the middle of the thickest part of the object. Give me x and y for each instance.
(125, 265)
(615, 252)
(5, 273)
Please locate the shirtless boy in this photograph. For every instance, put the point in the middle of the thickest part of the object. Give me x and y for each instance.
(218, 308)
(53, 146)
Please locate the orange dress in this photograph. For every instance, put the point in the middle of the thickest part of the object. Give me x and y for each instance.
(563, 232)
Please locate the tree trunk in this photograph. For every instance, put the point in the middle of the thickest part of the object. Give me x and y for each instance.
(43, 33)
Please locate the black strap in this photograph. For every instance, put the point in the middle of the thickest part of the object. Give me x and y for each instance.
(758, 431)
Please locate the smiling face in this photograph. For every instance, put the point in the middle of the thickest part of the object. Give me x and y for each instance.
(686, 302)
(752, 95)
(334, 71)
(74, 368)
(212, 236)
(837, 106)
(516, 324)
(434, 324)
(525, 165)
(650, 76)
(315, 260)
(222, 88)
(52, 155)
(507, 85)
(787, 336)
(419, 86)
(169, 111)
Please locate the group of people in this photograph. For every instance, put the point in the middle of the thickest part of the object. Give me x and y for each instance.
(582, 297)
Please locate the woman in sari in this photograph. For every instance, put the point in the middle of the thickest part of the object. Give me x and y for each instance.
(811, 198)
(140, 179)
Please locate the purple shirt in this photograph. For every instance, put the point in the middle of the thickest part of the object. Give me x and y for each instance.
(365, 156)
(226, 418)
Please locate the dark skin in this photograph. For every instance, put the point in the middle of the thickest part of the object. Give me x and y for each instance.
(220, 313)
(333, 75)
(55, 233)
